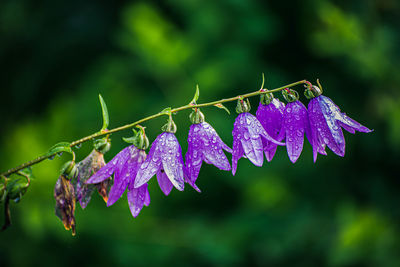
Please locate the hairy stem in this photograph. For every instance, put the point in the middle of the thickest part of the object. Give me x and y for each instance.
(131, 125)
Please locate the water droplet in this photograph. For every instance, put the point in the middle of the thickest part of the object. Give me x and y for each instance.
(78, 146)
(52, 157)
(299, 133)
(297, 117)
(290, 139)
(288, 110)
(326, 140)
(196, 129)
(214, 140)
(246, 136)
(59, 154)
(291, 127)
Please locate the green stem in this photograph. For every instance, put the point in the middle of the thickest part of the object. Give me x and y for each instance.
(131, 125)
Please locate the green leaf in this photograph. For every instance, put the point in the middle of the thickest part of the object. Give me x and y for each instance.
(104, 111)
(222, 107)
(60, 147)
(196, 95)
(166, 111)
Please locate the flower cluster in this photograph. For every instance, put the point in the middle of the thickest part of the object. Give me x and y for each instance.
(275, 124)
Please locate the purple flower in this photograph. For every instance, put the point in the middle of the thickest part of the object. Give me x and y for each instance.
(295, 124)
(204, 144)
(165, 160)
(270, 117)
(248, 134)
(125, 166)
(326, 121)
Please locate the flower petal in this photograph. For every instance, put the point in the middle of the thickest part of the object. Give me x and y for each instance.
(164, 183)
(172, 161)
(106, 171)
(152, 163)
(136, 199)
(147, 197)
(127, 174)
(330, 131)
(316, 119)
(237, 152)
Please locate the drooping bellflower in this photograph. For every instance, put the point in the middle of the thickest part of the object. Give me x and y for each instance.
(294, 124)
(204, 144)
(125, 166)
(165, 160)
(269, 114)
(64, 195)
(88, 167)
(326, 121)
(248, 134)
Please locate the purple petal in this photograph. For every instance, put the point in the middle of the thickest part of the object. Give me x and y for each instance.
(295, 122)
(164, 183)
(270, 117)
(316, 119)
(105, 172)
(330, 131)
(152, 163)
(147, 197)
(136, 199)
(126, 175)
(237, 149)
(172, 161)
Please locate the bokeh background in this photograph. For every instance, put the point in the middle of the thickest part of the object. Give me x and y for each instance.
(143, 56)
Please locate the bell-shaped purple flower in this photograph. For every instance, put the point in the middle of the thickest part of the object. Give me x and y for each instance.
(326, 121)
(294, 125)
(204, 144)
(165, 160)
(270, 117)
(125, 166)
(248, 134)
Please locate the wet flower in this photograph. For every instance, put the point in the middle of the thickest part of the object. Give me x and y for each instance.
(294, 125)
(65, 197)
(88, 167)
(204, 144)
(248, 134)
(269, 114)
(125, 166)
(326, 121)
(165, 160)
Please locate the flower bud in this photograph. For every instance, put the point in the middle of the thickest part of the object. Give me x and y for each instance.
(170, 126)
(243, 106)
(102, 145)
(314, 92)
(266, 98)
(69, 170)
(196, 116)
(139, 139)
(290, 95)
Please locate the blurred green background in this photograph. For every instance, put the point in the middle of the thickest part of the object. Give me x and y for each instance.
(56, 56)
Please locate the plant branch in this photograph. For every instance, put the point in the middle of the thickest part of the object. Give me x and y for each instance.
(131, 125)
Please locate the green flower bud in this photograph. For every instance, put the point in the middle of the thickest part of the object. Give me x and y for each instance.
(69, 170)
(196, 116)
(102, 145)
(243, 106)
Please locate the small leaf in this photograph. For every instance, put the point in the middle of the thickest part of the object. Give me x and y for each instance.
(129, 140)
(104, 111)
(166, 111)
(60, 147)
(196, 95)
(222, 107)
